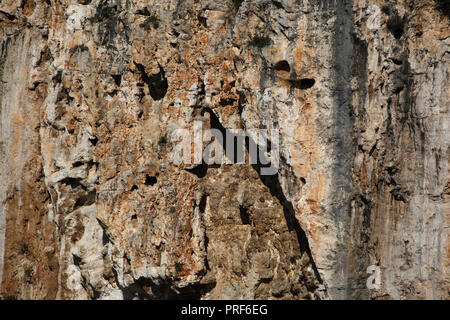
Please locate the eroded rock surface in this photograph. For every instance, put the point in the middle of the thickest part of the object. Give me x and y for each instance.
(92, 207)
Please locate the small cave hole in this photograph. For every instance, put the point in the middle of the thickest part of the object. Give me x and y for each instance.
(303, 84)
(143, 12)
(117, 79)
(277, 4)
(134, 187)
(150, 180)
(282, 65)
(396, 25)
(72, 182)
(93, 141)
(203, 21)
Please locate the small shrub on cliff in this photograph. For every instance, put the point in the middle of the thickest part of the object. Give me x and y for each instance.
(260, 42)
(443, 6)
(396, 25)
(152, 20)
(78, 48)
(11, 298)
(105, 13)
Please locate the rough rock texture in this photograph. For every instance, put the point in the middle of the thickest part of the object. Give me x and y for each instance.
(91, 207)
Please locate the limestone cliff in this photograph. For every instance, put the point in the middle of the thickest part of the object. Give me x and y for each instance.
(92, 207)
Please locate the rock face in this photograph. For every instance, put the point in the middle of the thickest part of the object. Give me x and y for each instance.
(93, 207)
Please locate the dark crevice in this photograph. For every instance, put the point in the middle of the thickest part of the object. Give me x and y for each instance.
(397, 62)
(245, 216)
(202, 21)
(105, 238)
(93, 141)
(303, 84)
(208, 268)
(80, 163)
(77, 164)
(202, 204)
(105, 230)
(76, 260)
(57, 78)
(157, 83)
(73, 182)
(143, 12)
(35, 85)
(200, 170)
(242, 102)
(217, 125)
(86, 200)
(175, 33)
(117, 79)
(277, 4)
(112, 93)
(227, 102)
(10, 17)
